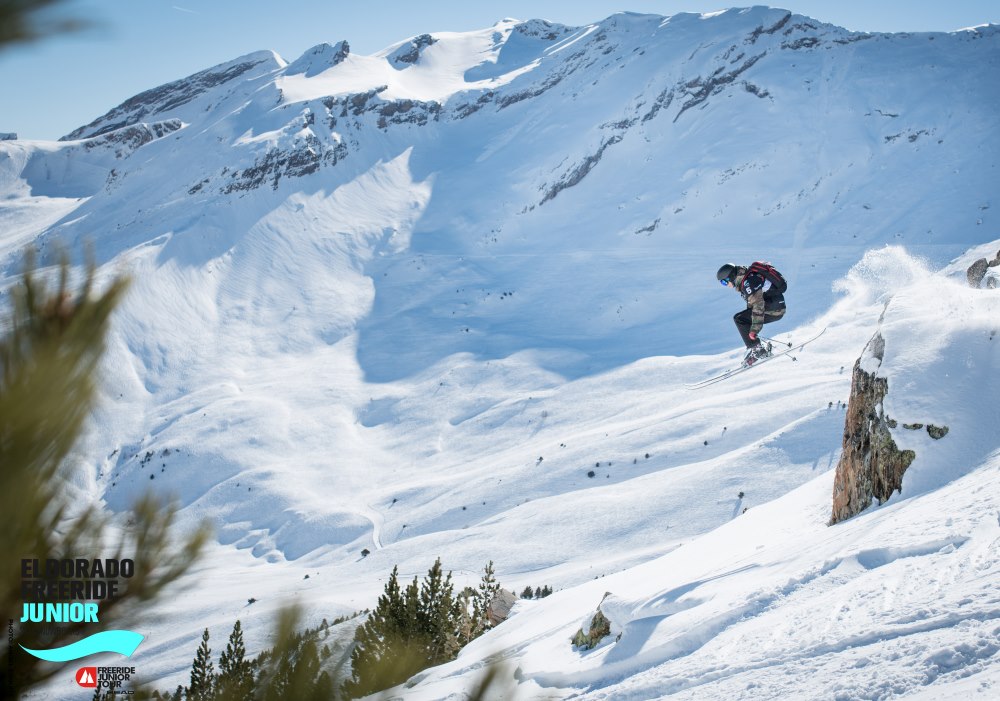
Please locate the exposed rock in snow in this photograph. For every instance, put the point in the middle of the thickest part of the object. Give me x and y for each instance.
(978, 270)
(166, 98)
(500, 606)
(318, 59)
(409, 53)
(871, 466)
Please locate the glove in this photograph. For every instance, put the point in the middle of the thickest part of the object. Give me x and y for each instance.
(752, 335)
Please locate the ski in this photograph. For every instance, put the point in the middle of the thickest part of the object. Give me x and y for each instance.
(790, 347)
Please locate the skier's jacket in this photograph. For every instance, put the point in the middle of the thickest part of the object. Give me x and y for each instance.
(770, 302)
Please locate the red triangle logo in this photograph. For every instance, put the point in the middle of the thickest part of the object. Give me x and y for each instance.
(87, 677)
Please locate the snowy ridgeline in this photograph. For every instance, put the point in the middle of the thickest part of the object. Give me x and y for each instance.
(444, 300)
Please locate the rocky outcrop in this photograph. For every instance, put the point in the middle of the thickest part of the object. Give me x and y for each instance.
(598, 629)
(761, 30)
(171, 95)
(319, 58)
(315, 143)
(602, 624)
(307, 156)
(402, 111)
(543, 30)
(700, 89)
(127, 140)
(409, 53)
(580, 170)
(871, 466)
(500, 606)
(977, 271)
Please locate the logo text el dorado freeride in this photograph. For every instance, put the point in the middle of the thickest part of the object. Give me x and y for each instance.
(70, 590)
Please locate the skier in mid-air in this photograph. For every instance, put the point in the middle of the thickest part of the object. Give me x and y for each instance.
(763, 306)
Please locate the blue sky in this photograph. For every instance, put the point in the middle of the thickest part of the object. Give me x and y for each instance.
(52, 87)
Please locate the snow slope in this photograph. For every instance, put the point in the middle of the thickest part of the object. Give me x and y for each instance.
(775, 603)
(443, 300)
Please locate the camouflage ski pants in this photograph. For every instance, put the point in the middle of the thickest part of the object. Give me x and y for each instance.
(774, 309)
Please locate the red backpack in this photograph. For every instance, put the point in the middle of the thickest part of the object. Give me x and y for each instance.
(770, 274)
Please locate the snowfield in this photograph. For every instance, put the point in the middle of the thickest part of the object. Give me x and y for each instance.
(443, 301)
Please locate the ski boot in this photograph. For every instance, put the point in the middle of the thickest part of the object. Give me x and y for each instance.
(757, 352)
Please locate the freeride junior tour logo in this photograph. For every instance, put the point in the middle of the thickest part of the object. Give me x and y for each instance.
(111, 678)
(87, 677)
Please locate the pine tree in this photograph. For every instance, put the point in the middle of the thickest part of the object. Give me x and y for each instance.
(408, 631)
(235, 671)
(26, 21)
(375, 641)
(305, 671)
(410, 643)
(51, 345)
(408, 626)
(465, 604)
(291, 669)
(202, 686)
(440, 616)
(488, 589)
(324, 688)
(277, 682)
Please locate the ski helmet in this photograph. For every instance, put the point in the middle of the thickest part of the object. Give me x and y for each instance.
(726, 272)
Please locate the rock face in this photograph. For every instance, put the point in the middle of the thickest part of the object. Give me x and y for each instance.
(127, 140)
(977, 271)
(319, 58)
(500, 606)
(871, 465)
(599, 628)
(409, 53)
(172, 95)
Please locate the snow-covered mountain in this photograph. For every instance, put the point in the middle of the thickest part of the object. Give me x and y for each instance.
(443, 301)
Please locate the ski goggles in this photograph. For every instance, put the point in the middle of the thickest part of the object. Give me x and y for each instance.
(725, 282)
